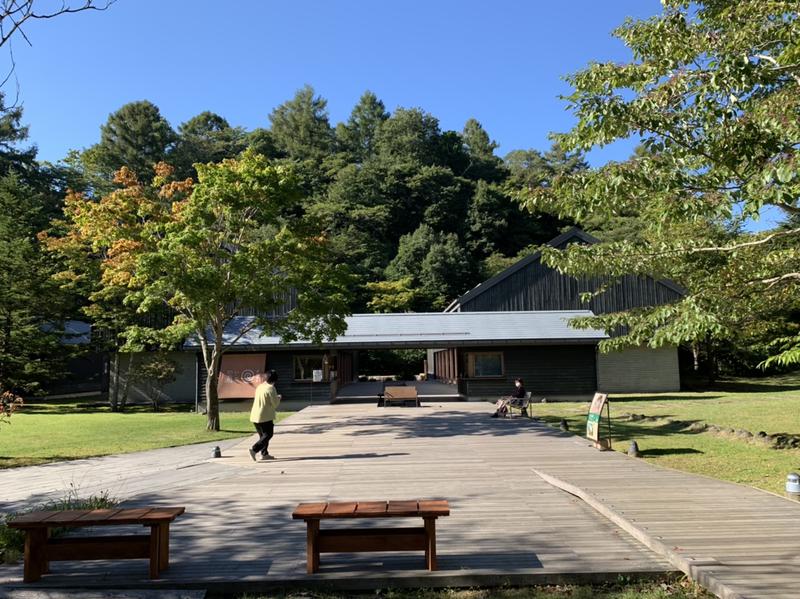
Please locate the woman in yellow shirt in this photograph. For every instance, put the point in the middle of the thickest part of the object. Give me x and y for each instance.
(262, 415)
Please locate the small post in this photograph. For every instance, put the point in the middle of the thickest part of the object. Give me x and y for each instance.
(633, 450)
(793, 486)
(216, 452)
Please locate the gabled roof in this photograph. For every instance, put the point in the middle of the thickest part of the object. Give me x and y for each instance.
(572, 234)
(432, 329)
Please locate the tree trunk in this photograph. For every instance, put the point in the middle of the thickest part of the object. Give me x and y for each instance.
(127, 388)
(212, 401)
(113, 382)
(712, 362)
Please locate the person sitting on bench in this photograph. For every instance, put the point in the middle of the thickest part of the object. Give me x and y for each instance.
(501, 407)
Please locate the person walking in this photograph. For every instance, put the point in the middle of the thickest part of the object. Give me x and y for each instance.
(262, 415)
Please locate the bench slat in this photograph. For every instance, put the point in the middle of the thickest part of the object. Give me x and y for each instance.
(163, 514)
(434, 507)
(31, 520)
(91, 548)
(403, 508)
(309, 510)
(372, 539)
(372, 508)
(99, 515)
(65, 518)
(340, 509)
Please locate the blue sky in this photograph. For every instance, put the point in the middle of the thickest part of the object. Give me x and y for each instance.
(501, 62)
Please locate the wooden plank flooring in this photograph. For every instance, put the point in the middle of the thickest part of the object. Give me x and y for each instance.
(735, 540)
(507, 525)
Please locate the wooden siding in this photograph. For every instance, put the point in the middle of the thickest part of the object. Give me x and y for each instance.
(539, 287)
(281, 362)
(546, 370)
(639, 370)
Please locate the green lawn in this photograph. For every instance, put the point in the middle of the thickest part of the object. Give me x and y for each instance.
(769, 405)
(52, 431)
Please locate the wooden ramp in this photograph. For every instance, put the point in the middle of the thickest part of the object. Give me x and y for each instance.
(507, 526)
(734, 540)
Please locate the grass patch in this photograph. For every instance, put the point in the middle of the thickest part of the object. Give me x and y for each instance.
(769, 405)
(65, 430)
(667, 588)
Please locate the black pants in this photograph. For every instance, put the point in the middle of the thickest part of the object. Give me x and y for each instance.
(265, 432)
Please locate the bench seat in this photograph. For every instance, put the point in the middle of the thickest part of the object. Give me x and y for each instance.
(40, 549)
(352, 540)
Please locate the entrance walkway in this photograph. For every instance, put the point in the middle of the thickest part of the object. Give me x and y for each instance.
(507, 525)
(427, 390)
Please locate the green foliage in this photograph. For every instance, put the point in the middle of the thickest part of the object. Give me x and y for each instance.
(200, 253)
(206, 138)
(300, 126)
(401, 363)
(357, 135)
(436, 264)
(392, 296)
(9, 403)
(135, 136)
(712, 91)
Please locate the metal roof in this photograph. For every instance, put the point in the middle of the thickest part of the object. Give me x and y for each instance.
(434, 330)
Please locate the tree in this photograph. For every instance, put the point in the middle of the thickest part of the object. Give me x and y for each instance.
(392, 296)
(205, 138)
(713, 92)
(9, 403)
(409, 135)
(483, 164)
(136, 136)
(300, 126)
(202, 252)
(438, 267)
(357, 136)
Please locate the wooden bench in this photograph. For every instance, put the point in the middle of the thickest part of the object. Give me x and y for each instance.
(40, 549)
(352, 540)
(401, 395)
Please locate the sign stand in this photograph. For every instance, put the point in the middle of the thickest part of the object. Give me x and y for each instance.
(593, 425)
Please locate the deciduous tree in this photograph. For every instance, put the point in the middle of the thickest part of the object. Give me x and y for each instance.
(713, 92)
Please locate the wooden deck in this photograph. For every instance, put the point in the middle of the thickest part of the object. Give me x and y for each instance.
(735, 540)
(511, 522)
(507, 524)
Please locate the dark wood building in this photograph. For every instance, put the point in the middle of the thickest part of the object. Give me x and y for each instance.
(529, 285)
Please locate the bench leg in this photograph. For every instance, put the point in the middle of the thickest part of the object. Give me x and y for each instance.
(155, 555)
(430, 547)
(312, 546)
(163, 546)
(35, 562)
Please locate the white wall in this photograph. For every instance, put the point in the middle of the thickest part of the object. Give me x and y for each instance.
(639, 370)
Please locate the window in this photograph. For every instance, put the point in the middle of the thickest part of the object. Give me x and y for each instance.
(304, 367)
(485, 364)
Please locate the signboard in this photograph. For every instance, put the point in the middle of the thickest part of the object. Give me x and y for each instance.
(593, 419)
(240, 375)
(316, 376)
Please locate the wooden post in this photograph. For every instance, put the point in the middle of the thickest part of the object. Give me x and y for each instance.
(430, 547)
(163, 546)
(312, 546)
(154, 550)
(35, 557)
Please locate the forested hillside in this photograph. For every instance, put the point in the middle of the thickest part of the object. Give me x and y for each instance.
(418, 213)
